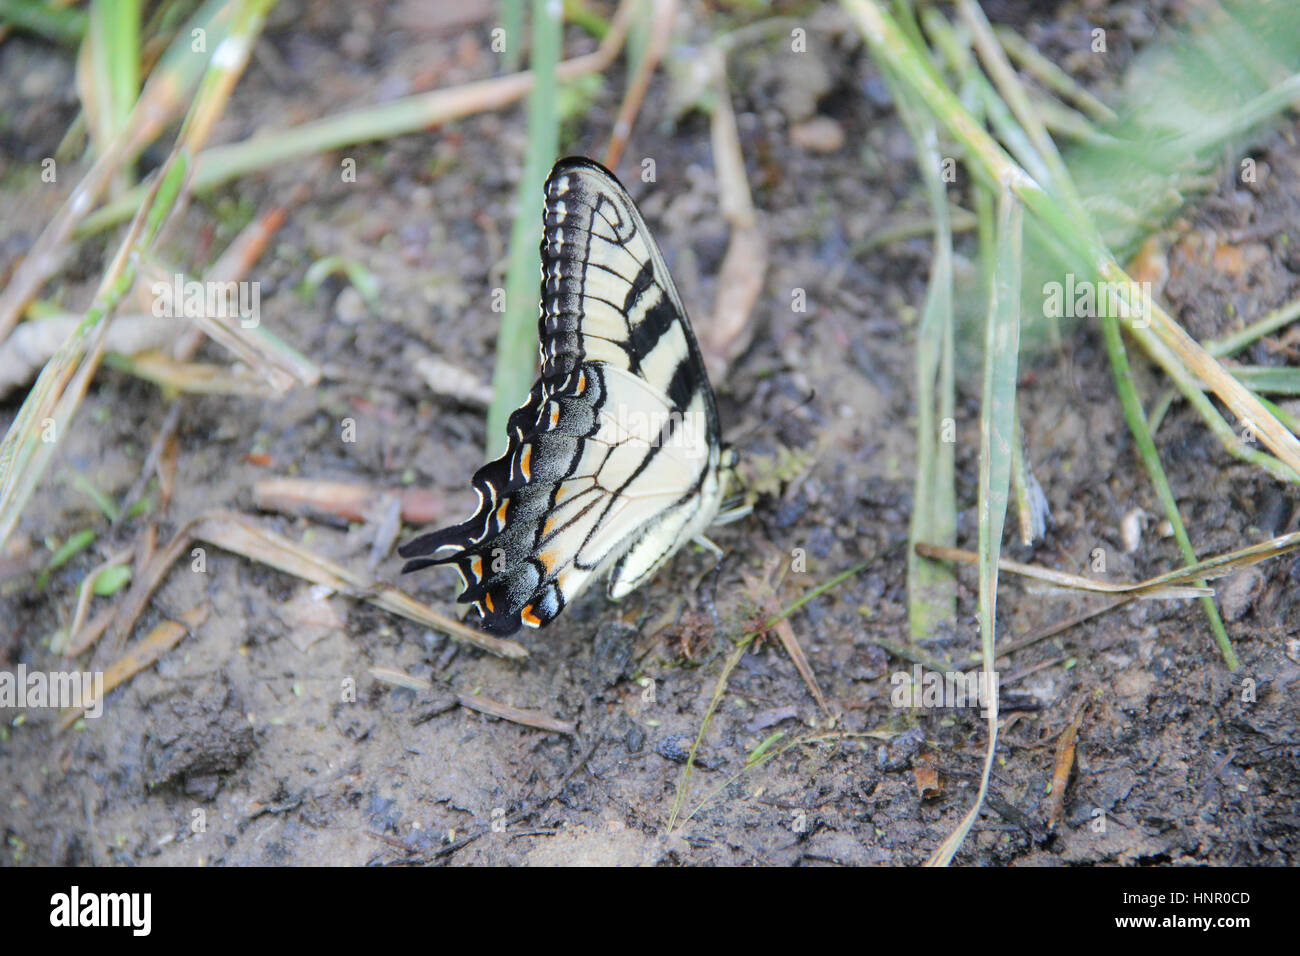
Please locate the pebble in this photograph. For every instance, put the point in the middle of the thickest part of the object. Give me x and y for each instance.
(821, 134)
(350, 308)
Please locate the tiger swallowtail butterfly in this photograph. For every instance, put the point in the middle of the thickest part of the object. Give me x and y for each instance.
(616, 458)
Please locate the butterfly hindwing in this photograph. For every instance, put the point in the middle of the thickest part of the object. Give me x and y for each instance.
(614, 459)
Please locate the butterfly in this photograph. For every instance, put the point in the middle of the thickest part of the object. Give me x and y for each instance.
(616, 458)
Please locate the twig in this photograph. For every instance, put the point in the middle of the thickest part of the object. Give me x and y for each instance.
(526, 716)
(661, 30)
(1064, 763)
(744, 267)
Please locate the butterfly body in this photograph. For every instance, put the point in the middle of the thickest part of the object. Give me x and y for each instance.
(615, 459)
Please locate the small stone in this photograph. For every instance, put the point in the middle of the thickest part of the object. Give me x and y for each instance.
(350, 308)
(821, 134)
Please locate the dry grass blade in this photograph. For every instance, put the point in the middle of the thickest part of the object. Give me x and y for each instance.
(1056, 627)
(526, 716)
(1169, 584)
(234, 532)
(517, 715)
(143, 654)
(1061, 579)
(197, 378)
(87, 591)
(249, 342)
(763, 593)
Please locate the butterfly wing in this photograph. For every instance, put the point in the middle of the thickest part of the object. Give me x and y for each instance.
(614, 459)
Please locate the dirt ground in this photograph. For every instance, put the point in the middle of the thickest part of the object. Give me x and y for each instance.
(243, 725)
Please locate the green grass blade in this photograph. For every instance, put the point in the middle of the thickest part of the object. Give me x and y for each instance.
(512, 21)
(1270, 323)
(1269, 379)
(517, 344)
(114, 38)
(60, 24)
(997, 438)
(931, 586)
(1146, 448)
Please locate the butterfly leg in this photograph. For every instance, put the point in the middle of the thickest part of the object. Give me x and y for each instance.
(735, 514)
(705, 543)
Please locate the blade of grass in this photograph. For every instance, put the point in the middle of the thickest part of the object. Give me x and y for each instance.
(1269, 379)
(112, 53)
(54, 399)
(1270, 323)
(516, 345)
(1162, 585)
(512, 21)
(1063, 186)
(1146, 448)
(48, 409)
(163, 96)
(932, 588)
(60, 24)
(997, 436)
(1151, 326)
(411, 114)
(141, 655)
(1052, 76)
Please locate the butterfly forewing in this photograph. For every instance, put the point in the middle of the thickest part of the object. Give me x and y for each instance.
(614, 459)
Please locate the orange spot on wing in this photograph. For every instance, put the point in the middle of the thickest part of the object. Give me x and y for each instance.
(559, 493)
(529, 618)
(487, 599)
(547, 525)
(555, 415)
(526, 463)
(476, 566)
(501, 513)
(548, 559)
(582, 382)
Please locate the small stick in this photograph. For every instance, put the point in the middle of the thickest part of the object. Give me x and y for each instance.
(665, 10)
(1065, 747)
